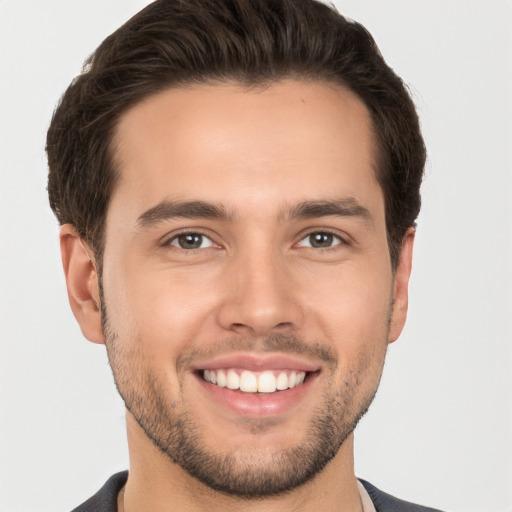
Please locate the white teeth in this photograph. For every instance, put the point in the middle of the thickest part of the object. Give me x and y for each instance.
(221, 379)
(282, 381)
(233, 380)
(267, 382)
(249, 382)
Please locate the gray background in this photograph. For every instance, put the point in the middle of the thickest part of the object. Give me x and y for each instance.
(440, 431)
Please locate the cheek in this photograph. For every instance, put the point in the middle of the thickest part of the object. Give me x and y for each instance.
(352, 305)
(164, 310)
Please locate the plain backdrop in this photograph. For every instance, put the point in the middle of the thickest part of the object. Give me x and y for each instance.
(440, 430)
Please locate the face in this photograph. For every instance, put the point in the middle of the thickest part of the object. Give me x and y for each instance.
(247, 292)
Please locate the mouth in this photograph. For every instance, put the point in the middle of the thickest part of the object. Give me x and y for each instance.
(255, 385)
(247, 381)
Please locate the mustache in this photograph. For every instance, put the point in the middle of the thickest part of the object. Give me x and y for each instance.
(282, 343)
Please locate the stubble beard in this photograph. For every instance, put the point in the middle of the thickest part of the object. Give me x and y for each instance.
(175, 433)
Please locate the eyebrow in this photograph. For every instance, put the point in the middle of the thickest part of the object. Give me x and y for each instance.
(342, 207)
(167, 210)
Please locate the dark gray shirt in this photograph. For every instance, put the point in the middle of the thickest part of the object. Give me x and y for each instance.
(105, 500)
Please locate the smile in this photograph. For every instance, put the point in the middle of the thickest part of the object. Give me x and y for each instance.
(268, 381)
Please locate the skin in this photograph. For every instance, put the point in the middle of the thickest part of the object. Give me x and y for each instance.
(259, 153)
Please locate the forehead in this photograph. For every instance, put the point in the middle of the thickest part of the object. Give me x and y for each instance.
(288, 142)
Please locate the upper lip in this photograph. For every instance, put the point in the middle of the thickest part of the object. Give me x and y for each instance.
(256, 362)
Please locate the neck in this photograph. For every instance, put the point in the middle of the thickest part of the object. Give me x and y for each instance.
(157, 484)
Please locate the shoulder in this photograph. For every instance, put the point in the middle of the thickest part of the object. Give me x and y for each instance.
(384, 502)
(105, 500)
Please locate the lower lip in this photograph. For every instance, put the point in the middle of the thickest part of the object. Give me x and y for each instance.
(257, 405)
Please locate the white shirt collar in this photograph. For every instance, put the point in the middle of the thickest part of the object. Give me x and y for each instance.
(367, 502)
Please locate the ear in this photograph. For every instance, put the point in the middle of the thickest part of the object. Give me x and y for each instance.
(82, 283)
(401, 287)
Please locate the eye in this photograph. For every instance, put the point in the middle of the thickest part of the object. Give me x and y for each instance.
(320, 240)
(190, 241)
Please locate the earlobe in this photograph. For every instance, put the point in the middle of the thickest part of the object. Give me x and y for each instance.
(401, 287)
(82, 283)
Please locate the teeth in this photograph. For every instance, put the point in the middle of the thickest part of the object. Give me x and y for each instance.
(232, 380)
(267, 383)
(250, 382)
(282, 381)
(221, 379)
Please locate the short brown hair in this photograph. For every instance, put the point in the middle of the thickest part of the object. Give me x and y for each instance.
(174, 43)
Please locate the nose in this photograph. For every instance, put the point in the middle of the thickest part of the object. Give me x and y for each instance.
(260, 297)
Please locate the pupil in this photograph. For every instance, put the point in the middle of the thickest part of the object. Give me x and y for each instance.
(190, 241)
(321, 240)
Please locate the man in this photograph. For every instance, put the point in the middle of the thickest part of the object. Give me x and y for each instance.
(237, 183)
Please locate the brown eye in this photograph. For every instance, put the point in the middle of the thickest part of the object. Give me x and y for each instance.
(191, 241)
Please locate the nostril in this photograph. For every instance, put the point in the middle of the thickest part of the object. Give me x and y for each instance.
(283, 325)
